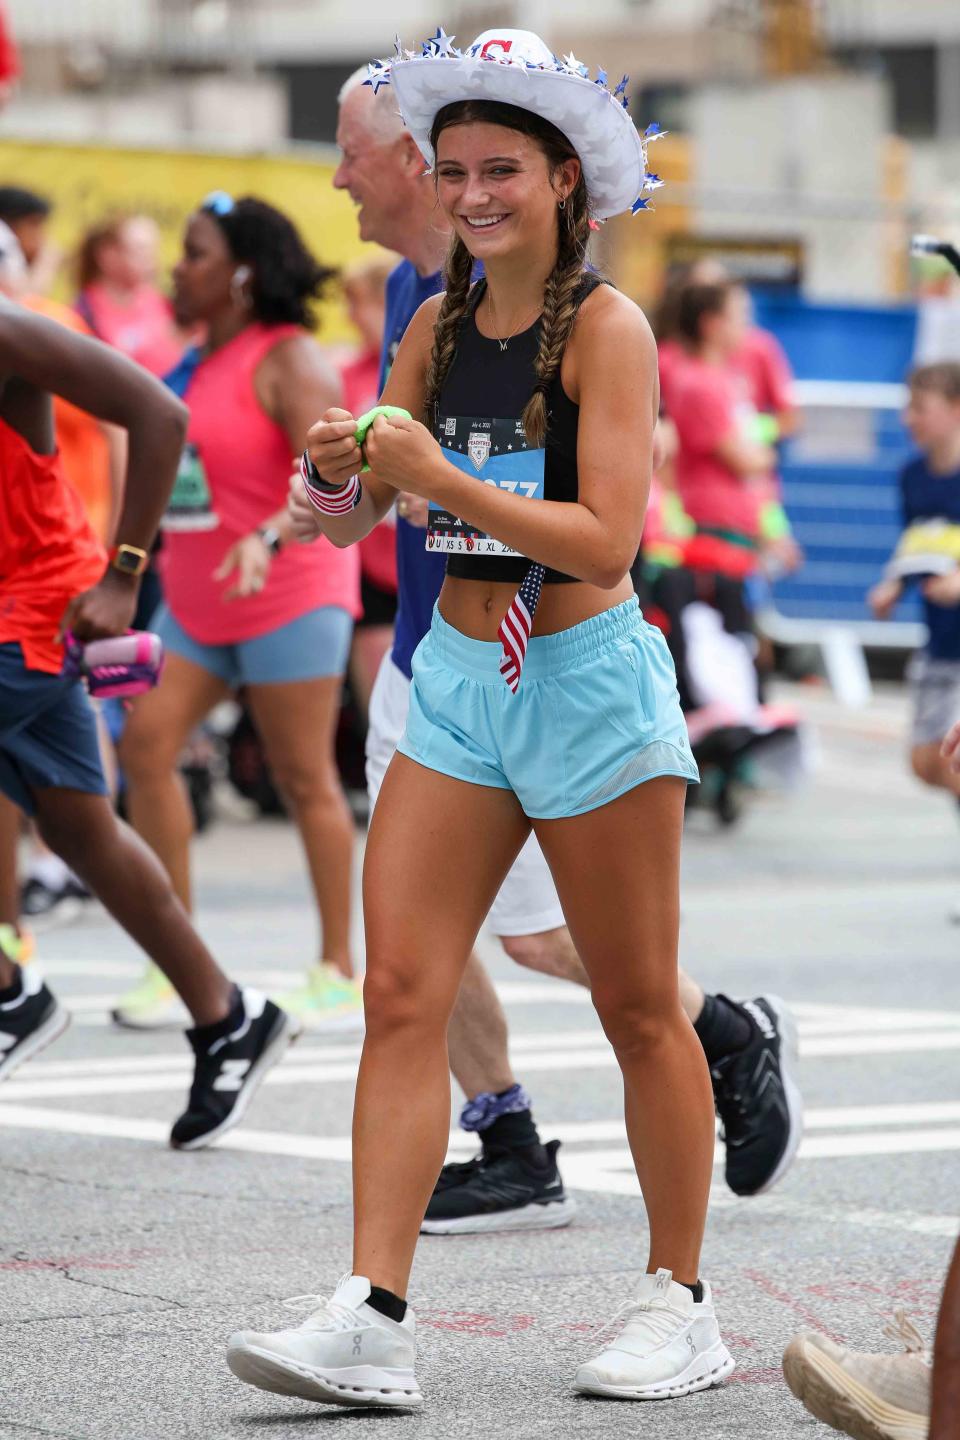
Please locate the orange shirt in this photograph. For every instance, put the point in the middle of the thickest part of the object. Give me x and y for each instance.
(84, 448)
(48, 551)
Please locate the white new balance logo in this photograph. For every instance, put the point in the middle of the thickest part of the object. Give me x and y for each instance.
(231, 1075)
(761, 1018)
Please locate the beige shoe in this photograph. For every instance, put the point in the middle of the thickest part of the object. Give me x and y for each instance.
(870, 1397)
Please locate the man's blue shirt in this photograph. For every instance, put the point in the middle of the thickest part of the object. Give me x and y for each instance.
(419, 571)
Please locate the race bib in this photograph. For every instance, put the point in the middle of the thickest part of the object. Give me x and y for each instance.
(495, 452)
(191, 504)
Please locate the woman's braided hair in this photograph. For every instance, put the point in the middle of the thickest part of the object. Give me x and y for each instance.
(560, 293)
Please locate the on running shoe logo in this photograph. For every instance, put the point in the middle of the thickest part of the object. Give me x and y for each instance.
(231, 1075)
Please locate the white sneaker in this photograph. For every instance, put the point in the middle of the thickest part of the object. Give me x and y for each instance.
(669, 1346)
(345, 1353)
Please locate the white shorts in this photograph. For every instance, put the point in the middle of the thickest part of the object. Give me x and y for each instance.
(527, 903)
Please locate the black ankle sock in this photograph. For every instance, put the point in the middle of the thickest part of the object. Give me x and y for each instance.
(512, 1132)
(695, 1290)
(386, 1303)
(12, 992)
(207, 1035)
(722, 1027)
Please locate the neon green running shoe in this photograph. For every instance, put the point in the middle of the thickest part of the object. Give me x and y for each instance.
(152, 1004)
(17, 945)
(328, 1001)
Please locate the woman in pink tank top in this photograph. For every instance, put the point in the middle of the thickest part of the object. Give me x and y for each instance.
(118, 296)
(244, 606)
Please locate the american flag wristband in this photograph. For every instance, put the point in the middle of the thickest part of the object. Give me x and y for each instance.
(329, 499)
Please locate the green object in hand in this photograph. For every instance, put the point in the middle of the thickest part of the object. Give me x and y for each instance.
(764, 429)
(365, 421)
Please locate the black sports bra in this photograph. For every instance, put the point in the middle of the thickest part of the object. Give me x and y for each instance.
(478, 425)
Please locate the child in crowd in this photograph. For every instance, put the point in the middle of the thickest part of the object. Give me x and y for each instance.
(929, 554)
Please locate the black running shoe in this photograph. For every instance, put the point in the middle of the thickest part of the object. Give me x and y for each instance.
(229, 1072)
(29, 1023)
(64, 902)
(502, 1192)
(458, 1172)
(757, 1099)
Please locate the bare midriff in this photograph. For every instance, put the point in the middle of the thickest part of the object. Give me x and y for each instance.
(476, 607)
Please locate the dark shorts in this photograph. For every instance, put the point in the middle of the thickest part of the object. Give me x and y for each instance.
(48, 734)
(379, 605)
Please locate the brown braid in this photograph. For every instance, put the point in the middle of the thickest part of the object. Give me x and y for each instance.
(559, 309)
(457, 272)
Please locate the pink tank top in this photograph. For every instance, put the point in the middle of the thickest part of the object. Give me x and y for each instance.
(234, 475)
(143, 328)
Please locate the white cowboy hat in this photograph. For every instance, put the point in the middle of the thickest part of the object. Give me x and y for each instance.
(517, 68)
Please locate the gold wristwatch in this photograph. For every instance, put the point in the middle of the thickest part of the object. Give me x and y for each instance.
(129, 559)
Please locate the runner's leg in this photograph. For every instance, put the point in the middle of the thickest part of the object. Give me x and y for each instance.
(155, 733)
(125, 875)
(946, 1358)
(624, 920)
(297, 721)
(423, 907)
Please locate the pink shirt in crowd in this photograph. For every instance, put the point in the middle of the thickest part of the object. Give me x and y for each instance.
(763, 364)
(702, 401)
(360, 378)
(760, 361)
(244, 460)
(141, 327)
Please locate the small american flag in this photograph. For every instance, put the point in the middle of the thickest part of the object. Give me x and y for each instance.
(516, 625)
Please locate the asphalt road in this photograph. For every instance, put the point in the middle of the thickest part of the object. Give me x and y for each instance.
(124, 1266)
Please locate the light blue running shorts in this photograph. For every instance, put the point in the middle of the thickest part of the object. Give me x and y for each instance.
(597, 713)
(310, 647)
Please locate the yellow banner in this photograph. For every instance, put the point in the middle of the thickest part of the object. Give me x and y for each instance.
(87, 183)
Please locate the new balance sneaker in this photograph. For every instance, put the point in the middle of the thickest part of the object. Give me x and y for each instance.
(327, 1001)
(757, 1099)
(871, 1397)
(344, 1353)
(669, 1346)
(151, 1004)
(230, 1070)
(501, 1190)
(29, 1022)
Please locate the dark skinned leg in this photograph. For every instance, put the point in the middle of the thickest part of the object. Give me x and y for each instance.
(946, 1359)
(123, 872)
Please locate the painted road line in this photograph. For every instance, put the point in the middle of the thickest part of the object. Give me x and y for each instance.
(843, 1117)
(172, 1073)
(608, 1170)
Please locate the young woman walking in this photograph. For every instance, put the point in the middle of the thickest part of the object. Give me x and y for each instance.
(551, 706)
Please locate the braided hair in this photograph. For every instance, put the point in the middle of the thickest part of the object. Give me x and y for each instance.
(563, 283)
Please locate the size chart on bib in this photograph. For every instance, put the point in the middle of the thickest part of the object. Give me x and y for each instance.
(495, 452)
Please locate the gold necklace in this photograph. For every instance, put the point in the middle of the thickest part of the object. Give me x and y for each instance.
(503, 343)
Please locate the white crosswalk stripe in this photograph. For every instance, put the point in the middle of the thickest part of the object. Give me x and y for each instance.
(595, 1152)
